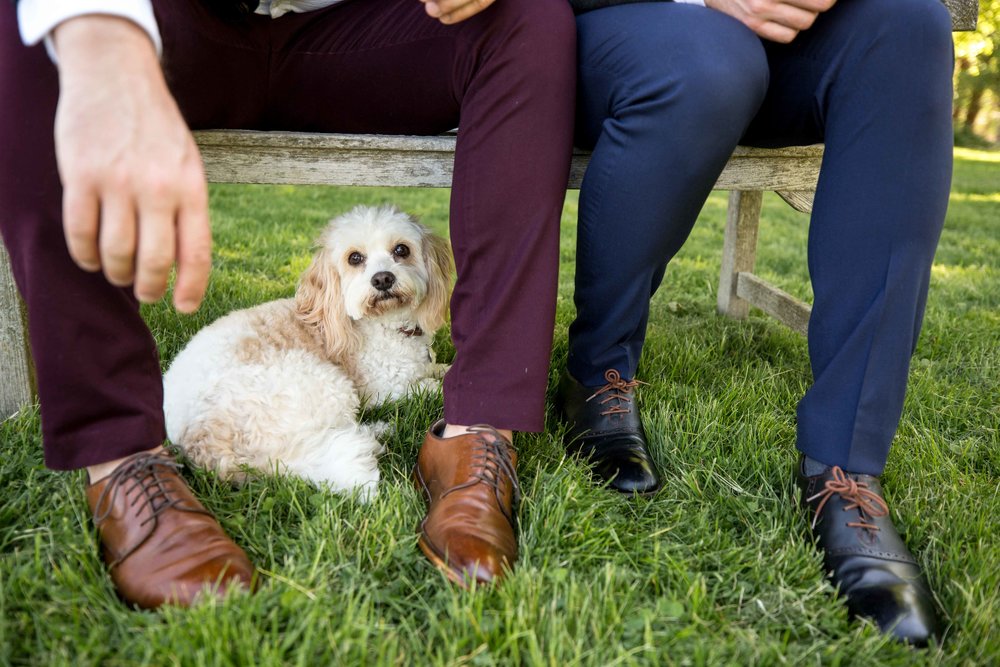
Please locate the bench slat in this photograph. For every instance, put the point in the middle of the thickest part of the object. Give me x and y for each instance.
(774, 301)
(290, 158)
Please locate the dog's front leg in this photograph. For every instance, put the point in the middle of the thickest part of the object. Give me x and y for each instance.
(437, 371)
(427, 385)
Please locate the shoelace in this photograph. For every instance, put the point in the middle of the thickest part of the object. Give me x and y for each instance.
(858, 496)
(492, 465)
(145, 473)
(618, 390)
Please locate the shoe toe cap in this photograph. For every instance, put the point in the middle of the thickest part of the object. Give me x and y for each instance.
(901, 609)
(470, 559)
(627, 469)
(184, 584)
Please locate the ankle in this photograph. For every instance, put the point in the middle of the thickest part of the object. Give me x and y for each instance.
(99, 471)
(454, 430)
(812, 467)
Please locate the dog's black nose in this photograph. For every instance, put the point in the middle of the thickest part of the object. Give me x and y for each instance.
(383, 280)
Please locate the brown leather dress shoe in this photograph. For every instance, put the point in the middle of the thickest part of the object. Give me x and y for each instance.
(160, 544)
(471, 488)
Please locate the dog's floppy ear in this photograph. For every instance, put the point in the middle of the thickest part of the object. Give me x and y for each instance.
(433, 310)
(319, 301)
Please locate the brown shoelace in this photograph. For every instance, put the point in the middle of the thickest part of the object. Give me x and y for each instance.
(617, 390)
(858, 496)
(145, 473)
(492, 464)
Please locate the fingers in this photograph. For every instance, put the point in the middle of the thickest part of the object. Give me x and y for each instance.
(775, 20)
(194, 253)
(137, 244)
(782, 22)
(773, 31)
(174, 226)
(815, 6)
(116, 239)
(80, 214)
(454, 11)
(154, 255)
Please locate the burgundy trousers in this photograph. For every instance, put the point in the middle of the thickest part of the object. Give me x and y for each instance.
(378, 66)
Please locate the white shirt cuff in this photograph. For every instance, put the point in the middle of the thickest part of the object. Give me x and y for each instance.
(38, 18)
(686, 2)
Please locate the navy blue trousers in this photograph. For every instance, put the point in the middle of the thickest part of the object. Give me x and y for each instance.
(666, 91)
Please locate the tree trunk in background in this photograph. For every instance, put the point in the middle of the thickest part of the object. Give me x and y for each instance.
(961, 65)
(974, 107)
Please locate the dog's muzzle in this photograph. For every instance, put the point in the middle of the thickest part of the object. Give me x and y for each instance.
(383, 281)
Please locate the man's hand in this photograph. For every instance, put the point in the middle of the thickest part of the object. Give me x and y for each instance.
(134, 193)
(776, 20)
(453, 11)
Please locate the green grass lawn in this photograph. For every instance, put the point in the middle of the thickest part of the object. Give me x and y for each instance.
(715, 569)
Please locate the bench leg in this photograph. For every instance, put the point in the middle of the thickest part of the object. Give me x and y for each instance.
(739, 249)
(16, 389)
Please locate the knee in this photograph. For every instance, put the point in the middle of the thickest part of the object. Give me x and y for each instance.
(904, 47)
(548, 17)
(714, 83)
(727, 79)
(920, 29)
(928, 24)
(542, 33)
(917, 18)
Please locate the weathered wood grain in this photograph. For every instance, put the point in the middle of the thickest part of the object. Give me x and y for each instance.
(16, 380)
(800, 200)
(739, 250)
(963, 13)
(774, 301)
(238, 156)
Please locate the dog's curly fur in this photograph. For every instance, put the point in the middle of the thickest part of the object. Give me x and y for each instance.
(279, 386)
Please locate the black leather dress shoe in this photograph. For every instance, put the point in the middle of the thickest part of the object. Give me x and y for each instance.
(865, 556)
(605, 429)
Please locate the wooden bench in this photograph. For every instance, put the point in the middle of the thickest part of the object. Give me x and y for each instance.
(336, 159)
(235, 156)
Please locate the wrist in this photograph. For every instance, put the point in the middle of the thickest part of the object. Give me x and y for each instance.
(80, 40)
(38, 19)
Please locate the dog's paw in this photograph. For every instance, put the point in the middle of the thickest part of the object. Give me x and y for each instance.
(344, 461)
(379, 430)
(358, 478)
(426, 386)
(437, 370)
(365, 492)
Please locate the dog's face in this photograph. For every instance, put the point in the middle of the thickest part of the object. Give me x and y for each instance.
(380, 258)
(373, 261)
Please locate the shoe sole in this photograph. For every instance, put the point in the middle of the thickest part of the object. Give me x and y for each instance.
(578, 453)
(453, 575)
(436, 558)
(640, 494)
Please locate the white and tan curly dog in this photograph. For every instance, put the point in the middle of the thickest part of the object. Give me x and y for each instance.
(279, 386)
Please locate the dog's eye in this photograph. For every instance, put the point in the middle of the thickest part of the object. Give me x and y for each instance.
(402, 251)
(355, 258)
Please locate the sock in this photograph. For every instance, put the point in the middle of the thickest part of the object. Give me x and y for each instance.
(811, 467)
